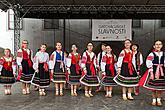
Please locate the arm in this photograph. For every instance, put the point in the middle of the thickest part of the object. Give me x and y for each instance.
(19, 57)
(35, 62)
(52, 61)
(83, 61)
(1, 64)
(14, 66)
(98, 58)
(103, 63)
(141, 59)
(120, 60)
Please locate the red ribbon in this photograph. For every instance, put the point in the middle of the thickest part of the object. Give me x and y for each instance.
(77, 68)
(45, 67)
(30, 63)
(92, 68)
(130, 67)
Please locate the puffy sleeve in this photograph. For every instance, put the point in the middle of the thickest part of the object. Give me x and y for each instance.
(69, 61)
(120, 59)
(95, 61)
(98, 59)
(32, 55)
(47, 60)
(14, 66)
(52, 61)
(103, 63)
(35, 62)
(141, 59)
(149, 60)
(83, 61)
(19, 57)
(115, 62)
(1, 63)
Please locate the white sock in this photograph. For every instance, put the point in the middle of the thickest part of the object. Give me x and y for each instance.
(129, 95)
(158, 100)
(124, 95)
(89, 92)
(86, 92)
(74, 90)
(110, 92)
(154, 100)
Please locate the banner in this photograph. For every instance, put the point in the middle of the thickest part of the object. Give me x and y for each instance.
(111, 29)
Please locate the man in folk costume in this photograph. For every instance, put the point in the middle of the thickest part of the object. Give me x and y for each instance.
(41, 78)
(7, 71)
(154, 78)
(99, 60)
(25, 64)
(57, 67)
(137, 62)
(108, 71)
(74, 70)
(88, 65)
(127, 76)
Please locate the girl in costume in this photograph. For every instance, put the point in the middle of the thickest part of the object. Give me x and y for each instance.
(73, 67)
(127, 76)
(108, 71)
(88, 65)
(41, 78)
(154, 78)
(7, 71)
(25, 64)
(57, 67)
(137, 62)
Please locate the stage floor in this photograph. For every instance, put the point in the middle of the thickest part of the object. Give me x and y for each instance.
(17, 101)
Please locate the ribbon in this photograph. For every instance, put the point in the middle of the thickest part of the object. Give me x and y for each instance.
(159, 71)
(112, 69)
(45, 66)
(77, 68)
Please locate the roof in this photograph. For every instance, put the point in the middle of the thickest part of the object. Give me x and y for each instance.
(90, 8)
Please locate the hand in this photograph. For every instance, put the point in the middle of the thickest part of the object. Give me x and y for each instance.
(20, 67)
(36, 70)
(98, 68)
(118, 71)
(85, 71)
(51, 71)
(151, 75)
(68, 71)
(0, 72)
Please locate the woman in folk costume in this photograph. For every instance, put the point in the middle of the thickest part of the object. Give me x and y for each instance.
(41, 78)
(137, 62)
(108, 71)
(25, 63)
(88, 65)
(127, 76)
(99, 60)
(154, 78)
(7, 71)
(57, 67)
(73, 67)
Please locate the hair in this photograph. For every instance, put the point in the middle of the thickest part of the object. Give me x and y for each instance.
(135, 45)
(157, 41)
(25, 41)
(43, 44)
(58, 42)
(128, 40)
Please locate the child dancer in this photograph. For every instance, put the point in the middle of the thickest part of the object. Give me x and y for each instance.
(88, 64)
(41, 78)
(56, 64)
(154, 78)
(137, 62)
(108, 71)
(26, 71)
(7, 71)
(73, 65)
(99, 60)
(127, 76)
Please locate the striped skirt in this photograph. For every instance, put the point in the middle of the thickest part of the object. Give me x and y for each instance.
(7, 77)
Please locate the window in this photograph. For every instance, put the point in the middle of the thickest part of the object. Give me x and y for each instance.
(51, 23)
(11, 21)
(136, 23)
(162, 23)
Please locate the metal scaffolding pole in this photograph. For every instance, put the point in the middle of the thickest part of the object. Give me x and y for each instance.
(16, 29)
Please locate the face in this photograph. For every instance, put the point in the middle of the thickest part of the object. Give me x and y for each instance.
(43, 48)
(24, 44)
(7, 53)
(90, 46)
(74, 48)
(103, 47)
(134, 48)
(108, 49)
(127, 44)
(158, 45)
(58, 46)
